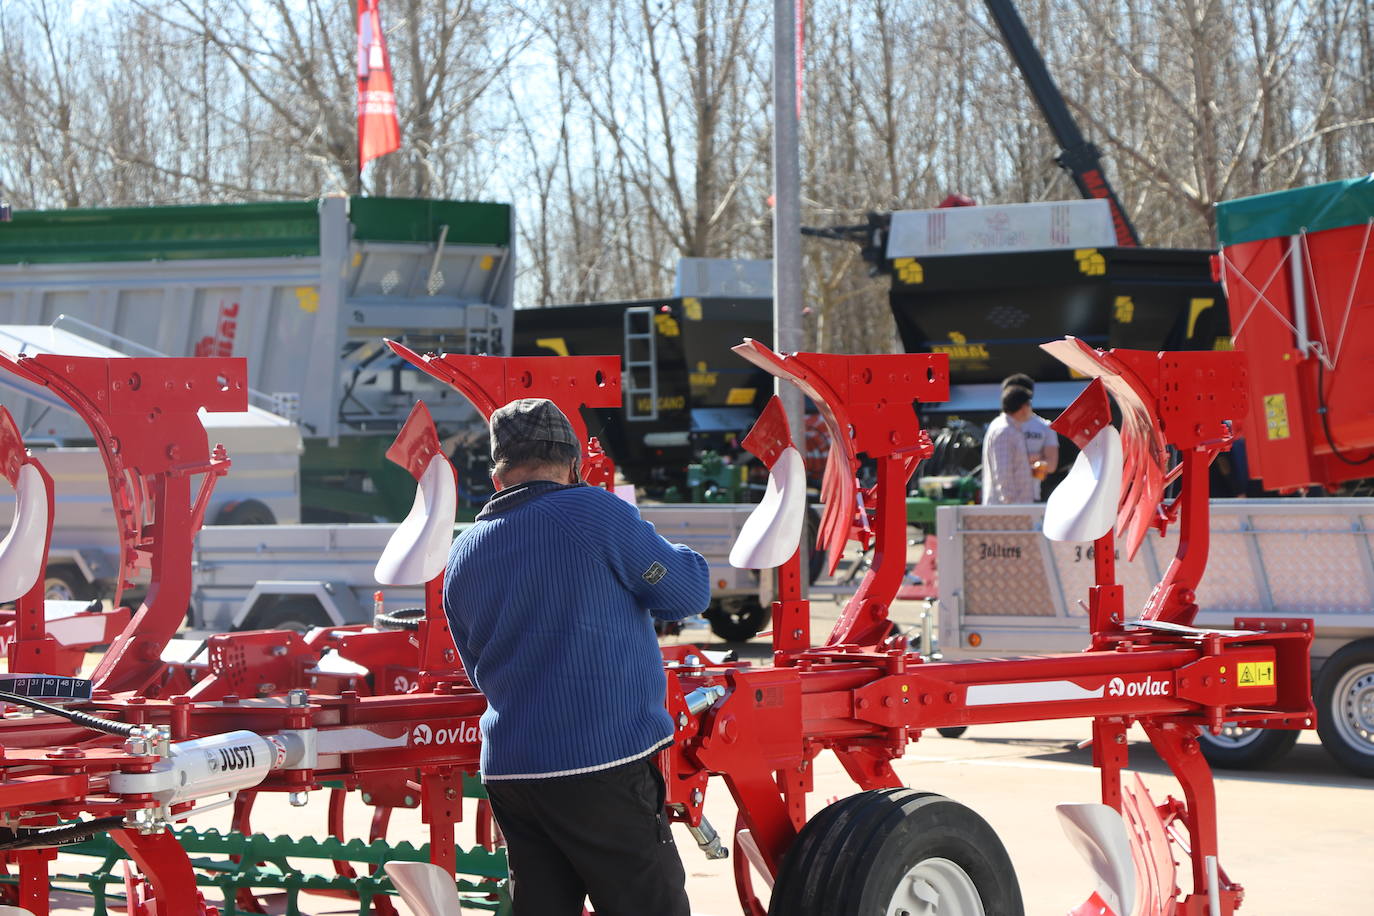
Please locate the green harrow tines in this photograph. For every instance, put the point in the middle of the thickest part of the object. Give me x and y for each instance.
(236, 863)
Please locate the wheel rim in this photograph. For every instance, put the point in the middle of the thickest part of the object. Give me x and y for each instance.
(936, 887)
(1352, 708)
(58, 590)
(1234, 736)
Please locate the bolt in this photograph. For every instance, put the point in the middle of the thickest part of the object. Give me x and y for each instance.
(409, 801)
(697, 796)
(298, 799)
(1120, 739)
(448, 655)
(682, 720)
(692, 661)
(367, 798)
(450, 794)
(266, 688)
(297, 697)
(278, 651)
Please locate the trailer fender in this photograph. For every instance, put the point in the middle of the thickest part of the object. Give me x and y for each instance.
(336, 598)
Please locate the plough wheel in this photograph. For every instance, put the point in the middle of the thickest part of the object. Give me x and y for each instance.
(896, 852)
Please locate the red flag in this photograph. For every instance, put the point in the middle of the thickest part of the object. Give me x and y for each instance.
(378, 131)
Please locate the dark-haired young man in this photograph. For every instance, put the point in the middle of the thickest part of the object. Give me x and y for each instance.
(1007, 477)
(550, 595)
(1042, 443)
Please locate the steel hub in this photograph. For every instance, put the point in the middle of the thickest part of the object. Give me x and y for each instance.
(1235, 736)
(936, 887)
(1352, 708)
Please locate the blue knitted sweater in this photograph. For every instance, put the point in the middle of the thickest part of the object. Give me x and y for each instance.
(549, 596)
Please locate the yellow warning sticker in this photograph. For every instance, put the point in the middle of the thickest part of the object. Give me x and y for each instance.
(1276, 416)
(1256, 674)
(738, 396)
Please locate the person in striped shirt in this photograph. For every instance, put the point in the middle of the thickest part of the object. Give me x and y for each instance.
(1008, 478)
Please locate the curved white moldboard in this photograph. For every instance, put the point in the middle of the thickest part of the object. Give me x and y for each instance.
(419, 548)
(773, 530)
(21, 552)
(1084, 506)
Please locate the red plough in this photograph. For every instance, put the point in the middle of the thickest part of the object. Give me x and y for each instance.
(272, 712)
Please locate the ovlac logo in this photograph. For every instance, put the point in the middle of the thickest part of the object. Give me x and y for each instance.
(462, 733)
(1149, 687)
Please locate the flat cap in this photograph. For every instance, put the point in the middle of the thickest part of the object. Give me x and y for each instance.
(529, 420)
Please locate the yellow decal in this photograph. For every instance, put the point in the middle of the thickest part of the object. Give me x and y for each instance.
(357, 258)
(692, 309)
(702, 378)
(1256, 674)
(1090, 262)
(909, 271)
(1276, 415)
(1125, 310)
(1195, 308)
(740, 396)
(1224, 343)
(557, 344)
(667, 402)
(1074, 373)
(308, 298)
(487, 262)
(667, 325)
(961, 349)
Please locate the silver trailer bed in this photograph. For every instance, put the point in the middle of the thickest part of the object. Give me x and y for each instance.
(263, 576)
(1005, 589)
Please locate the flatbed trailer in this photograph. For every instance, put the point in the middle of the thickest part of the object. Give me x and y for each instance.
(1006, 590)
(260, 577)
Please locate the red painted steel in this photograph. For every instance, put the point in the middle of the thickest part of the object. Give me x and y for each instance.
(1300, 307)
(857, 696)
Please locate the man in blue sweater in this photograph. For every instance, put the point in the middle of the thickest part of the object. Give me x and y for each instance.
(550, 596)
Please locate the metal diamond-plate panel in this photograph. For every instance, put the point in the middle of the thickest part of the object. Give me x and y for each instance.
(1231, 584)
(1004, 574)
(1074, 562)
(990, 521)
(1315, 564)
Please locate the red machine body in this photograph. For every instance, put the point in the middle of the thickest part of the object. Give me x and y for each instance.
(1302, 309)
(861, 695)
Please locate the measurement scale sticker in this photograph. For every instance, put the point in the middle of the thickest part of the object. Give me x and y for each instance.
(1256, 674)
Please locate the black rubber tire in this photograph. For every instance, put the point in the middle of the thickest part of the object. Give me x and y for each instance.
(1250, 749)
(300, 613)
(64, 582)
(245, 512)
(851, 857)
(1343, 722)
(737, 619)
(407, 618)
(952, 731)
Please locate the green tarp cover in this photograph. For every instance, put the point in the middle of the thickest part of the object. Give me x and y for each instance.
(252, 230)
(1284, 213)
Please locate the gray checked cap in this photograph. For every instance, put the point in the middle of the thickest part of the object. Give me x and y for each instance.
(527, 420)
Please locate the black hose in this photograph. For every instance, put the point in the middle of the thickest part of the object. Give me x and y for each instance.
(1326, 424)
(405, 619)
(23, 838)
(84, 719)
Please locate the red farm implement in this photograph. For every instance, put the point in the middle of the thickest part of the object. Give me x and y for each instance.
(272, 712)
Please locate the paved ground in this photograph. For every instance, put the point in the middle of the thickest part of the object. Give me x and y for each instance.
(1299, 837)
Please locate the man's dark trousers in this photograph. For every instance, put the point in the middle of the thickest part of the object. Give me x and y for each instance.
(602, 835)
